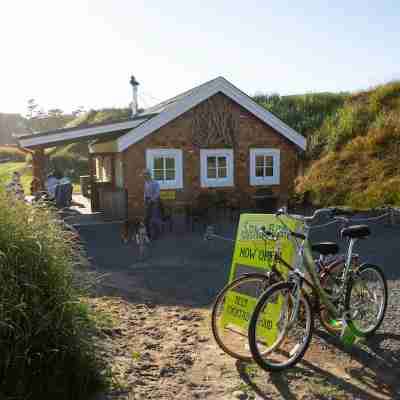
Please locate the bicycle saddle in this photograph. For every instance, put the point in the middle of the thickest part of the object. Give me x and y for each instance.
(325, 248)
(356, 231)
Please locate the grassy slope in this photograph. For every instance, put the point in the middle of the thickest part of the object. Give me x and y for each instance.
(353, 144)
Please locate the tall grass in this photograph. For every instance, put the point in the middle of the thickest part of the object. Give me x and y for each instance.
(364, 173)
(47, 342)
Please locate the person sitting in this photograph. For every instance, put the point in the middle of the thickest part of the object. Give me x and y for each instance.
(51, 184)
(63, 192)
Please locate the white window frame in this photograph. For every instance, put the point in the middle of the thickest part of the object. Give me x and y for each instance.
(151, 154)
(216, 182)
(267, 180)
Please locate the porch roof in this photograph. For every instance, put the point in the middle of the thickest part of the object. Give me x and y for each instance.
(105, 130)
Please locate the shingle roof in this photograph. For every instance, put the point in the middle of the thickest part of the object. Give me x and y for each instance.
(130, 131)
(170, 102)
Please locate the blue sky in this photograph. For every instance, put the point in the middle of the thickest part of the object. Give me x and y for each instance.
(82, 52)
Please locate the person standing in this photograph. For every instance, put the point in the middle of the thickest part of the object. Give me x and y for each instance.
(152, 204)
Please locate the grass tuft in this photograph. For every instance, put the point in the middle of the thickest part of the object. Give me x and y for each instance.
(47, 332)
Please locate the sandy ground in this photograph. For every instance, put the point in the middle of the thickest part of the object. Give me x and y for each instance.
(159, 341)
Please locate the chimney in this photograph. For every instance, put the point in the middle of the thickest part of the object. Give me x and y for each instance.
(134, 104)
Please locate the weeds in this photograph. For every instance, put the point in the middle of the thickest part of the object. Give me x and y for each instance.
(46, 330)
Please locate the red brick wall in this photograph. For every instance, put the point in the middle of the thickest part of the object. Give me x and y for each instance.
(177, 134)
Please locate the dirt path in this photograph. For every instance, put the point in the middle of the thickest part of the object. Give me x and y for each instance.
(167, 352)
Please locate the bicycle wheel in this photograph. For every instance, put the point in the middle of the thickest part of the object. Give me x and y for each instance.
(366, 299)
(230, 320)
(276, 341)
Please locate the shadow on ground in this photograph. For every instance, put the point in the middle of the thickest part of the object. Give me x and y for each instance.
(184, 269)
(370, 372)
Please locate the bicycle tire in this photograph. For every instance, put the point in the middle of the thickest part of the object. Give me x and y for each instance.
(351, 321)
(226, 344)
(258, 356)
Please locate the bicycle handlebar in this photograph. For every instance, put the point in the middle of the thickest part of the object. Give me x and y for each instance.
(336, 213)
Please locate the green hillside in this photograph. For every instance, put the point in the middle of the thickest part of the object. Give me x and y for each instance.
(100, 116)
(354, 154)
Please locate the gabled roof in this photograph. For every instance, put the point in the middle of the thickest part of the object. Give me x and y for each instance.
(131, 131)
(173, 108)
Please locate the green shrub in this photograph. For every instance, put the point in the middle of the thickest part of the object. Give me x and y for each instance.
(46, 331)
(304, 113)
(70, 162)
(384, 96)
(349, 122)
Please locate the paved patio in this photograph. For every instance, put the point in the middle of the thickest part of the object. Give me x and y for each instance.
(185, 269)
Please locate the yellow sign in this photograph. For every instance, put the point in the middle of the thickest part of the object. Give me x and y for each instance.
(253, 254)
(167, 195)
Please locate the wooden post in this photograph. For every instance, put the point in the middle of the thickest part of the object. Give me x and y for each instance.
(38, 168)
(392, 217)
(93, 189)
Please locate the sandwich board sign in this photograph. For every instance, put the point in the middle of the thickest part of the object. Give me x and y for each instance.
(252, 254)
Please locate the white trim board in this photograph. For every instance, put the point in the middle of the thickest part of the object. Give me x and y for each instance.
(56, 137)
(186, 103)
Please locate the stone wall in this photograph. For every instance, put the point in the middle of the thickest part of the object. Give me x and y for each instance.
(178, 134)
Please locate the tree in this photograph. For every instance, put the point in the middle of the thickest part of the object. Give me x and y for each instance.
(34, 116)
(56, 118)
(31, 109)
(80, 110)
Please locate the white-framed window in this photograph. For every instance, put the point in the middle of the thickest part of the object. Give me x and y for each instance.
(166, 167)
(216, 167)
(264, 167)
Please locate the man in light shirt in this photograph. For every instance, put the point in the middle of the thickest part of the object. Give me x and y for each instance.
(152, 204)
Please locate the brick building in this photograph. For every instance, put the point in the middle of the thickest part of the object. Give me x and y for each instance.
(212, 139)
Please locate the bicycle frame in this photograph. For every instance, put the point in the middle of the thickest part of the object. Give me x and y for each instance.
(305, 261)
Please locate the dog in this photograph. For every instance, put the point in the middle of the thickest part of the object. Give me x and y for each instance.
(129, 230)
(136, 231)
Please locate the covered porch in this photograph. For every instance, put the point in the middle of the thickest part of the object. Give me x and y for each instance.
(103, 190)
